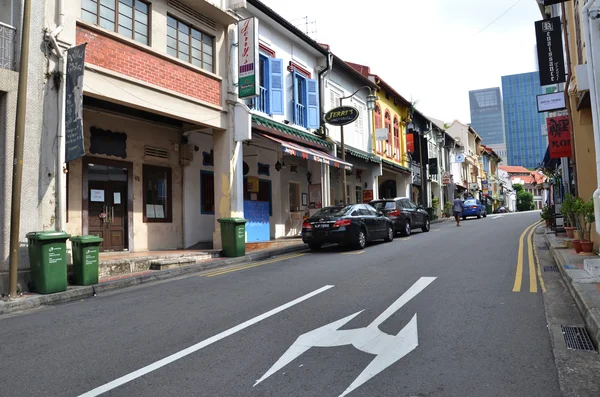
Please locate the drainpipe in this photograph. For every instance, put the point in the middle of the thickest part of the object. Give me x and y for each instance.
(329, 66)
(590, 49)
(61, 193)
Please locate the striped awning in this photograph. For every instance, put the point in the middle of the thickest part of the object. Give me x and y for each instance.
(295, 149)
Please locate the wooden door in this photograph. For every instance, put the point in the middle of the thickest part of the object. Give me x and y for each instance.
(107, 205)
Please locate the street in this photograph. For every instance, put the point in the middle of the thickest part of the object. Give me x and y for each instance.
(431, 315)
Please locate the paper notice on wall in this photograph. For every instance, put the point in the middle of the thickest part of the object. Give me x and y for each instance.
(117, 198)
(159, 211)
(150, 211)
(97, 195)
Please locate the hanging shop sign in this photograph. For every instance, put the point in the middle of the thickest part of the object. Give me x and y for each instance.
(253, 184)
(248, 58)
(367, 196)
(74, 147)
(341, 115)
(550, 51)
(559, 136)
(484, 187)
(381, 134)
(446, 178)
(410, 143)
(550, 102)
(473, 186)
(459, 158)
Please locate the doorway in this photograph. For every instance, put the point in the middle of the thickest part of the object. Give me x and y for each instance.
(108, 202)
(294, 197)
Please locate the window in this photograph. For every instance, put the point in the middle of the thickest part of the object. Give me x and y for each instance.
(207, 192)
(129, 18)
(390, 139)
(396, 139)
(157, 194)
(358, 124)
(189, 44)
(306, 101)
(378, 124)
(359, 196)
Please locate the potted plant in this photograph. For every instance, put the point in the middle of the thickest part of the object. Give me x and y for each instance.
(547, 215)
(448, 209)
(588, 218)
(578, 209)
(435, 203)
(566, 210)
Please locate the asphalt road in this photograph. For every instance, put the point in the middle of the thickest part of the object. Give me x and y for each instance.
(458, 330)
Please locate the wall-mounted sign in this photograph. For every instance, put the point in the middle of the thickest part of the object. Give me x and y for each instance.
(446, 177)
(410, 143)
(253, 184)
(97, 195)
(459, 158)
(559, 136)
(74, 147)
(341, 115)
(550, 102)
(381, 134)
(248, 84)
(550, 51)
(473, 186)
(367, 196)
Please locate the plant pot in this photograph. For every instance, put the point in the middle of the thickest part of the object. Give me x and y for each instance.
(570, 231)
(577, 246)
(587, 246)
(548, 224)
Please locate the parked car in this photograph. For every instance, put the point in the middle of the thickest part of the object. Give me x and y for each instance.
(405, 214)
(473, 207)
(354, 224)
(501, 210)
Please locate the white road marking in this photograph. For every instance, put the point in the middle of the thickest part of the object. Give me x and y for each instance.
(387, 349)
(497, 217)
(192, 349)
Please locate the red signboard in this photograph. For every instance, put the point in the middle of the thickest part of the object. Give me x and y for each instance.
(559, 136)
(367, 196)
(410, 143)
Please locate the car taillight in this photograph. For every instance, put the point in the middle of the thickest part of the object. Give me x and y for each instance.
(394, 213)
(474, 207)
(342, 222)
(306, 225)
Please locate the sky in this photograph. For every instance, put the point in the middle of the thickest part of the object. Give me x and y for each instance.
(430, 51)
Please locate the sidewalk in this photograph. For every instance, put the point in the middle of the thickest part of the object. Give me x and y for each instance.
(255, 252)
(581, 274)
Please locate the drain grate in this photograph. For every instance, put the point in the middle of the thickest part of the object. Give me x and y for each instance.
(542, 248)
(577, 338)
(550, 269)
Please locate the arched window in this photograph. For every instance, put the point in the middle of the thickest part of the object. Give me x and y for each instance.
(378, 124)
(396, 139)
(389, 143)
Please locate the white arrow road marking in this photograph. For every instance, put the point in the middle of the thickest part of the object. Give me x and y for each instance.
(192, 349)
(499, 216)
(387, 349)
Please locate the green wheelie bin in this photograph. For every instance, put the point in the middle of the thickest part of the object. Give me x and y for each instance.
(233, 236)
(48, 260)
(85, 259)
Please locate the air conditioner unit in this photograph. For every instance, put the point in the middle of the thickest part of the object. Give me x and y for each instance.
(186, 154)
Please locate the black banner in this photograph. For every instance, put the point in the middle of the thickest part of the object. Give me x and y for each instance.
(74, 148)
(551, 60)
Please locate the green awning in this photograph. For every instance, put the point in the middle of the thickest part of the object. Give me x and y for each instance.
(359, 154)
(396, 166)
(286, 129)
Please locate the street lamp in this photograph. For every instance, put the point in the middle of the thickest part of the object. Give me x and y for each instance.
(371, 99)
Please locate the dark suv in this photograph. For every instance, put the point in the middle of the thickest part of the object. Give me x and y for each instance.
(405, 214)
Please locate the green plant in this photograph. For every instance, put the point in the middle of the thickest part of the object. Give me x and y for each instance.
(546, 213)
(586, 217)
(448, 208)
(567, 210)
(578, 211)
(524, 201)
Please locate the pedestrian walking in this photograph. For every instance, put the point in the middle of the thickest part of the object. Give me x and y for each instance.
(457, 207)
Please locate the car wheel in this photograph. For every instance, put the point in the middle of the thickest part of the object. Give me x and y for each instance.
(427, 225)
(479, 215)
(390, 234)
(314, 246)
(485, 214)
(406, 229)
(361, 239)
(464, 218)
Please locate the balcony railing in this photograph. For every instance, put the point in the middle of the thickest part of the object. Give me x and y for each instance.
(300, 119)
(8, 36)
(260, 103)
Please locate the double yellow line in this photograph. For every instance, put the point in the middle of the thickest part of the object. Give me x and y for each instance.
(531, 252)
(232, 269)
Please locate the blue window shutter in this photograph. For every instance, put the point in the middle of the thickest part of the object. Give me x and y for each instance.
(295, 111)
(275, 86)
(312, 96)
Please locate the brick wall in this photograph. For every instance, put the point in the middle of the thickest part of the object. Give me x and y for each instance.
(109, 53)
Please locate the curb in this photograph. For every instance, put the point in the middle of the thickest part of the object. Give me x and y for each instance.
(585, 305)
(81, 292)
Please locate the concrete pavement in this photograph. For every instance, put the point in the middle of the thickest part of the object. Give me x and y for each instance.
(474, 335)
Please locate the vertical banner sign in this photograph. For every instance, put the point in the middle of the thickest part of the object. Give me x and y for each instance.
(484, 187)
(559, 136)
(248, 82)
(551, 60)
(410, 143)
(74, 148)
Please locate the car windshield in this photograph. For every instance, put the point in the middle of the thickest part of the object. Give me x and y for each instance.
(333, 211)
(384, 205)
(470, 202)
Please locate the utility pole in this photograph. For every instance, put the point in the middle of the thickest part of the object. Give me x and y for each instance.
(17, 177)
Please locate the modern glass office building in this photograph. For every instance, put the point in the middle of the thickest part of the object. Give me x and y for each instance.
(523, 125)
(486, 115)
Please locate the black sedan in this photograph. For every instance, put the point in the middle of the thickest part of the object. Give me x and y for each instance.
(354, 224)
(405, 214)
